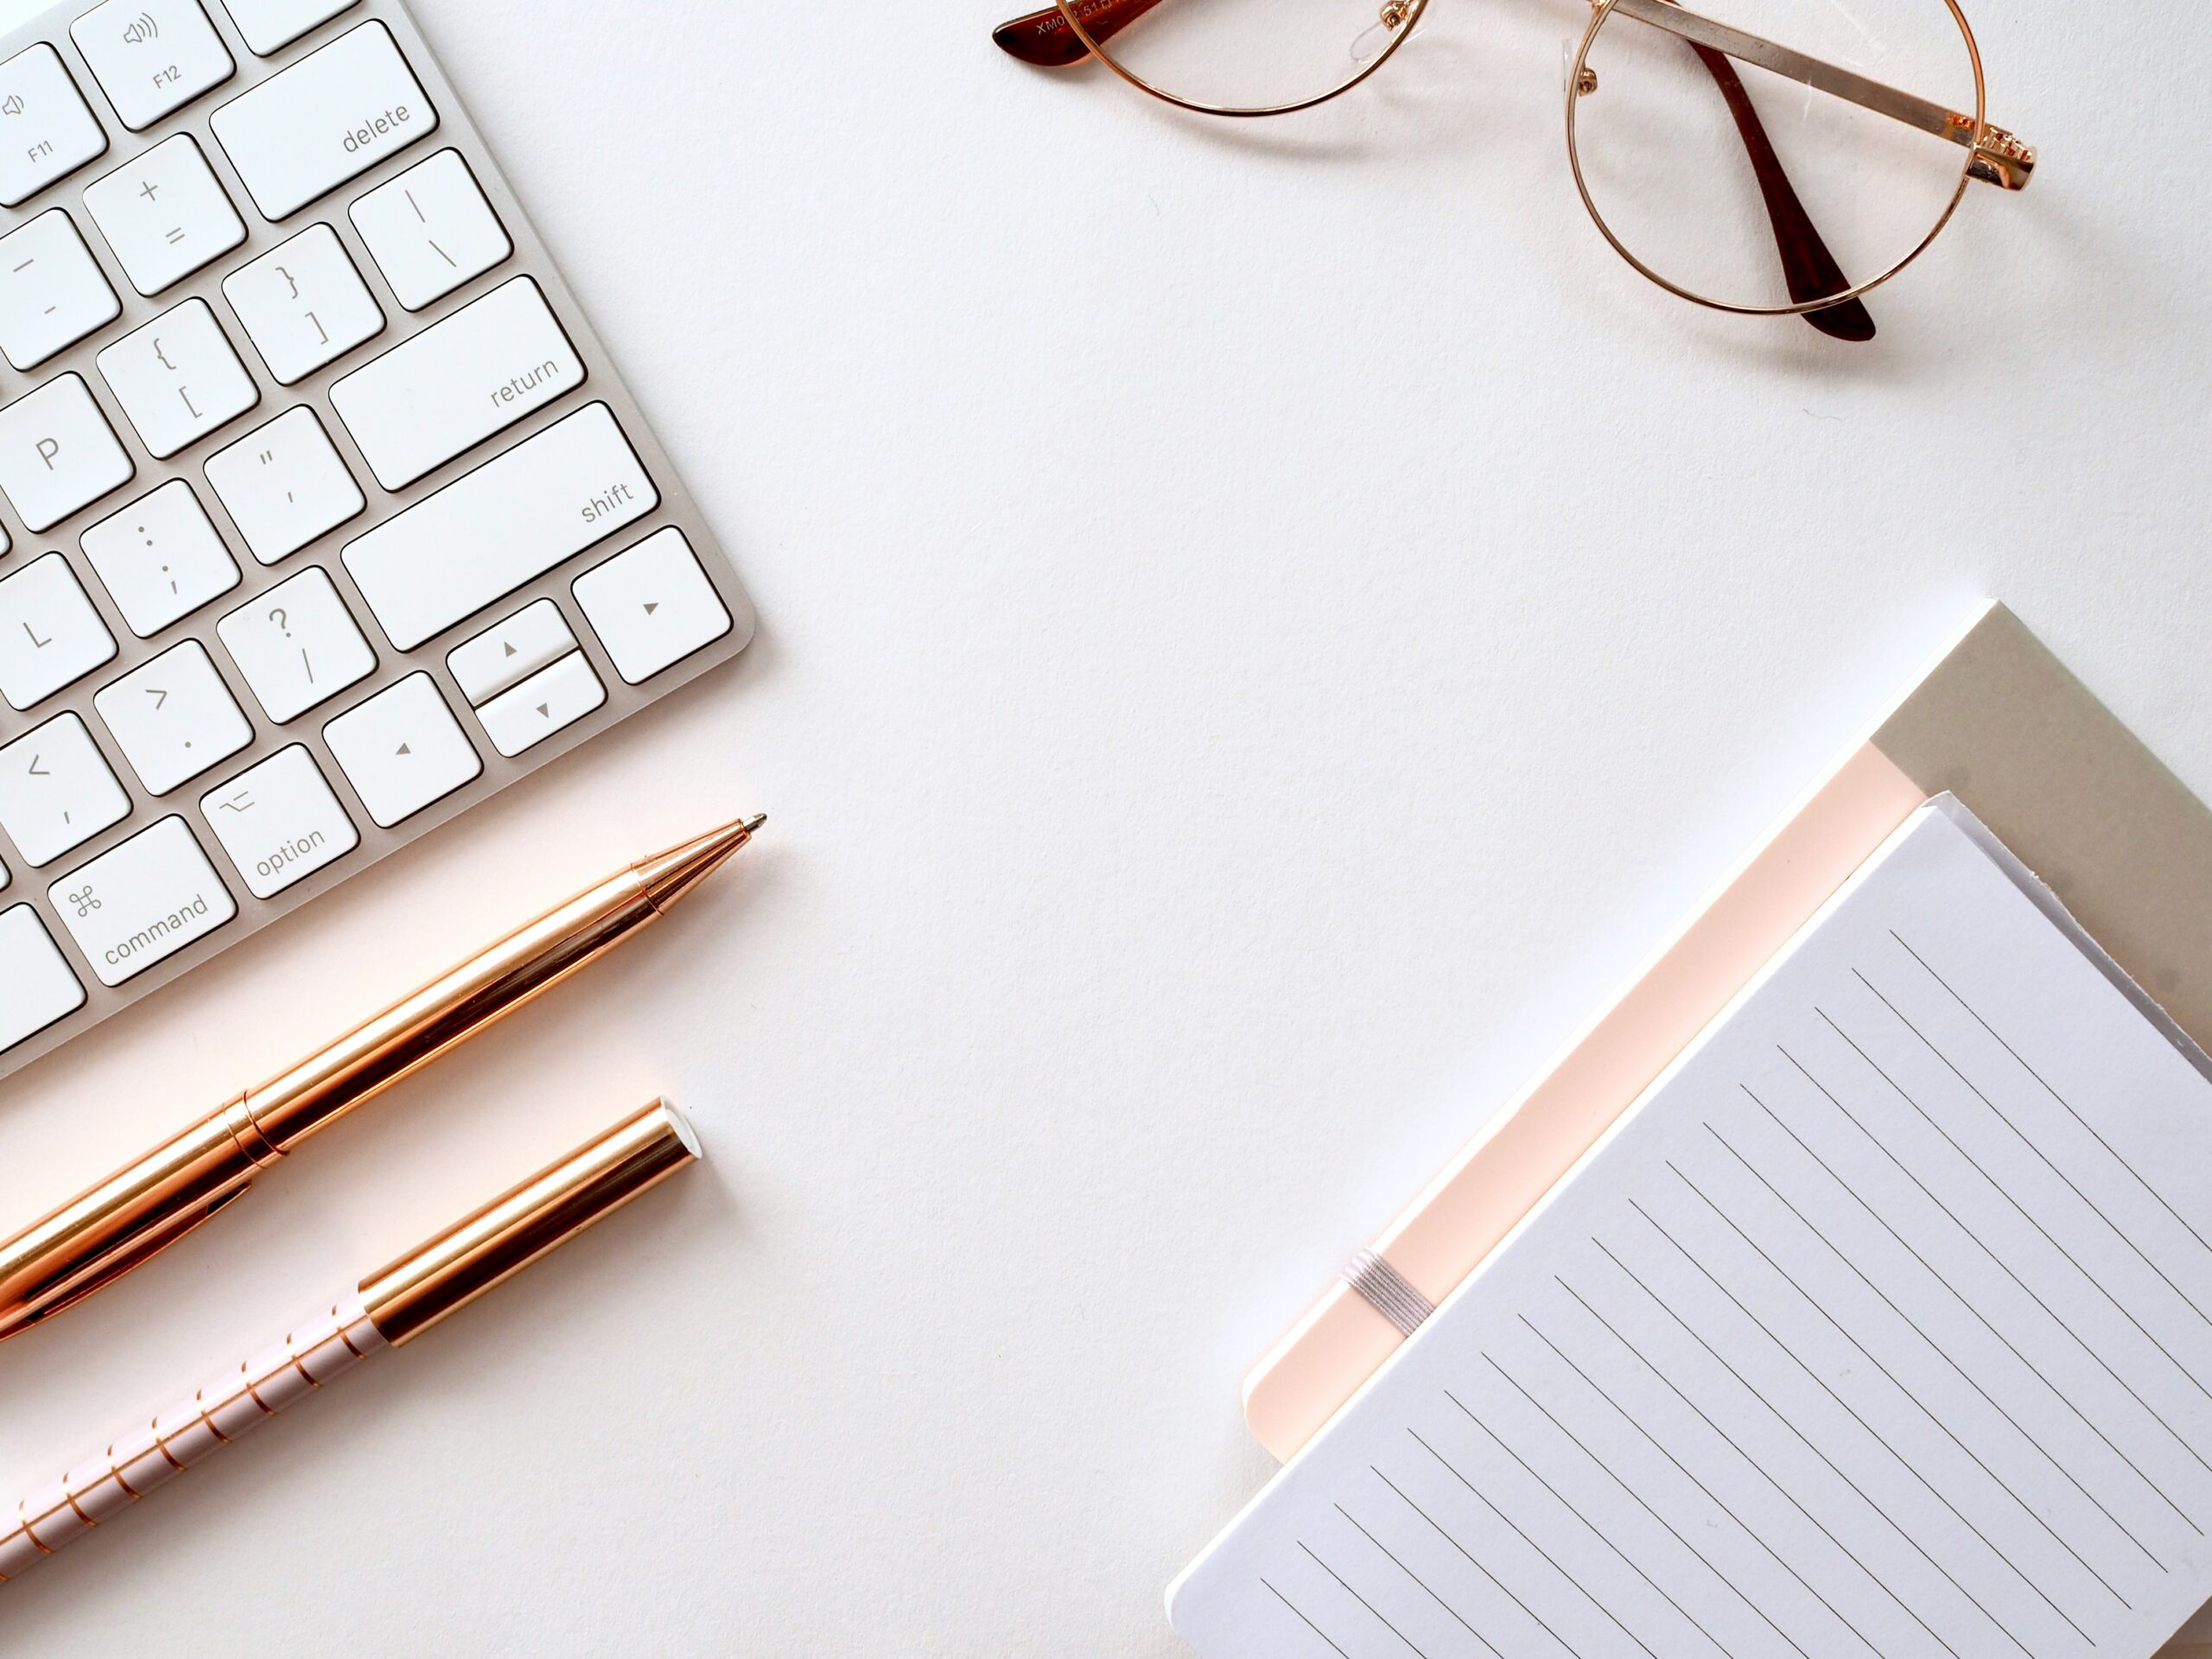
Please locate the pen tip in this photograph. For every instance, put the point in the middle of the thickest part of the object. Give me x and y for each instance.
(674, 873)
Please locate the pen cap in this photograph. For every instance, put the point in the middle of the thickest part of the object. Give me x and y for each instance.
(413, 1294)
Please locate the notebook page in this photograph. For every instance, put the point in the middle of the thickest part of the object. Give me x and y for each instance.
(1881, 1326)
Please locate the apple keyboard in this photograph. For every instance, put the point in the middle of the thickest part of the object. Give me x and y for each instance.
(326, 515)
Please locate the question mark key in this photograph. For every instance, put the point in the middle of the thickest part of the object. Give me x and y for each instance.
(297, 644)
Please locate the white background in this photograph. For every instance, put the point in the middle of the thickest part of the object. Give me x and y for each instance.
(1261, 629)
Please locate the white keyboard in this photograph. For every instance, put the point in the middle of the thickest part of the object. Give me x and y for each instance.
(322, 512)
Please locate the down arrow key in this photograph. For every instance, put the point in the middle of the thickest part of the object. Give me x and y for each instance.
(550, 700)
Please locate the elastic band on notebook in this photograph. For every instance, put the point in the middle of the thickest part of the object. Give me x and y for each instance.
(1390, 1292)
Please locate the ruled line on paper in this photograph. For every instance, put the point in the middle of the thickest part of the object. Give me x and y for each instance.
(1580, 1588)
(1782, 1417)
(2021, 1209)
(2042, 1157)
(1360, 1599)
(1944, 1353)
(1445, 1534)
(1429, 1589)
(1764, 1473)
(1596, 1532)
(1302, 1618)
(1734, 1588)
(2095, 1355)
(1866, 1335)
(1906, 1394)
(2090, 1127)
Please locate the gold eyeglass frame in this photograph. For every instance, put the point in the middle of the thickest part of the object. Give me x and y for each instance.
(1993, 156)
(1399, 16)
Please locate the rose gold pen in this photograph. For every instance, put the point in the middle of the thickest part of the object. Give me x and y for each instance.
(388, 1309)
(140, 1210)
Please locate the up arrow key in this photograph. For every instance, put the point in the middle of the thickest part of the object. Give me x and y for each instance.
(403, 749)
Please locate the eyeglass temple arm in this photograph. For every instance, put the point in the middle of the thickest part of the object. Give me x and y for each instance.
(1807, 268)
(1999, 157)
(1045, 39)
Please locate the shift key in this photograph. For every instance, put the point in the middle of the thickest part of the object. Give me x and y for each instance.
(138, 905)
(331, 117)
(507, 523)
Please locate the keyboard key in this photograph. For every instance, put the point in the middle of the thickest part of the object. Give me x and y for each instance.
(430, 230)
(454, 384)
(510, 652)
(329, 118)
(178, 378)
(401, 750)
(173, 718)
(52, 132)
(513, 518)
(50, 635)
(280, 822)
(151, 56)
(269, 25)
(160, 558)
(57, 790)
(165, 214)
(303, 304)
(37, 986)
(550, 700)
(52, 291)
(136, 905)
(297, 646)
(652, 606)
(58, 453)
(285, 485)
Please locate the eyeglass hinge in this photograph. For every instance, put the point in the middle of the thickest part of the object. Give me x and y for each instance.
(1999, 158)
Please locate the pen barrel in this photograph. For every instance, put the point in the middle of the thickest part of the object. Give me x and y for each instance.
(313, 1353)
(447, 1011)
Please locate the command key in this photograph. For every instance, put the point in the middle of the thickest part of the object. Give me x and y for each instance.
(139, 904)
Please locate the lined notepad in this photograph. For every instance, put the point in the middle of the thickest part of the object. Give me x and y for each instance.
(1881, 1325)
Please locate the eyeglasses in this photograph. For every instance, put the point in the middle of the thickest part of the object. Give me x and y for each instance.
(1664, 107)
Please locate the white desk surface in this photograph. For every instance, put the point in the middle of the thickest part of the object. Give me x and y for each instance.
(1261, 628)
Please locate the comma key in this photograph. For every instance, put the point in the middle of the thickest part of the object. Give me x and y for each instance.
(137, 905)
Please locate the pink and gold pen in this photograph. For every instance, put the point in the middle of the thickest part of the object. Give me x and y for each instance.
(388, 1309)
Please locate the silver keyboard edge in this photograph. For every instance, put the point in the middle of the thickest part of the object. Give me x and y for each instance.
(603, 384)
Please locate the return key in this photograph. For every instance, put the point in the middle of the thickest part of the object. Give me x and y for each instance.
(454, 385)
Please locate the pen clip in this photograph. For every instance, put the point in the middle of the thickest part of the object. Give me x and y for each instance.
(133, 1252)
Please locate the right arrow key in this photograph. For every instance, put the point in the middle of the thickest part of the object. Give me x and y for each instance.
(651, 606)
